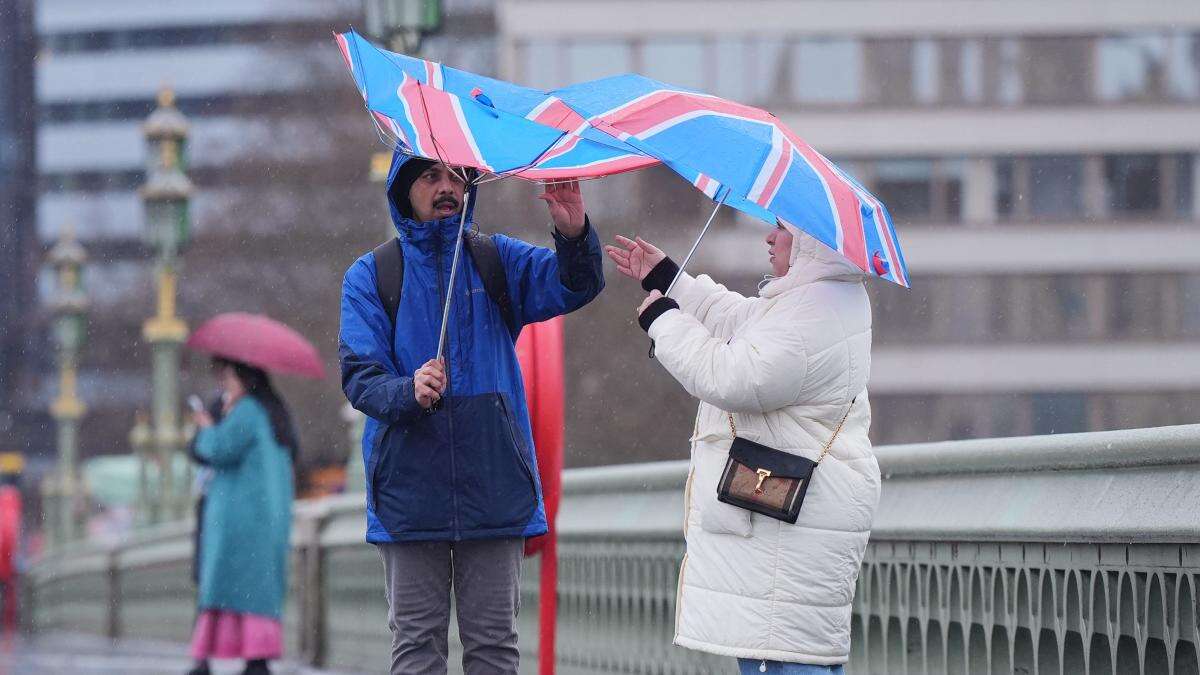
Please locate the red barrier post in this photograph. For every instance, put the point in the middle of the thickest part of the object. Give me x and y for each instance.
(540, 351)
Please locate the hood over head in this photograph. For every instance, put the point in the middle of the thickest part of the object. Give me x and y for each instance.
(404, 171)
(810, 261)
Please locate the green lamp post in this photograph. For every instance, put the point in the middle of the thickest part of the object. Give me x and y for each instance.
(165, 197)
(69, 306)
(402, 24)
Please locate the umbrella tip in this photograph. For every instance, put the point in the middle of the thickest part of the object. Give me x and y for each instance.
(880, 264)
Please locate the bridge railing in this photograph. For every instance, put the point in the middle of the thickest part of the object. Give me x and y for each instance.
(1058, 554)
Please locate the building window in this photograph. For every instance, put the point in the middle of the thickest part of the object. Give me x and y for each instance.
(540, 64)
(961, 71)
(905, 186)
(1134, 183)
(730, 69)
(602, 58)
(920, 189)
(1189, 303)
(889, 72)
(926, 71)
(1137, 311)
(768, 58)
(1046, 187)
(827, 71)
(1056, 187)
(1184, 66)
(1132, 67)
(1056, 69)
(1002, 70)
(1185, 186)
(677, 62)
(1059, 413)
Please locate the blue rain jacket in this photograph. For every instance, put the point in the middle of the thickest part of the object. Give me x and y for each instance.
(467, 470)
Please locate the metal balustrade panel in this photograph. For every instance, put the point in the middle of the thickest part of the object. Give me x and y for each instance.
(1054, 608)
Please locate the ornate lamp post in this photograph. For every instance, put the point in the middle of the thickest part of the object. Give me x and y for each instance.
(67, 257)
(402, 24)
(165, 197)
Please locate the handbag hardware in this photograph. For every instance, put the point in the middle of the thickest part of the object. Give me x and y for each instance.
(766, 480)
(763, 474)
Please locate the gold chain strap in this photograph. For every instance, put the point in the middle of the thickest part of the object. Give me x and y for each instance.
(825, 450)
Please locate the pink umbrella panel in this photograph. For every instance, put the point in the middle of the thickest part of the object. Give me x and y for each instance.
(258, 341)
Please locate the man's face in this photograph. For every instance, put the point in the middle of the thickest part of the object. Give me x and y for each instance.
(436, 193)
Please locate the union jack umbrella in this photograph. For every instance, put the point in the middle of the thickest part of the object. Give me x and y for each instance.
(746, 158)
(461, 119)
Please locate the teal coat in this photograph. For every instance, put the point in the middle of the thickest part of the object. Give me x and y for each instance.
(247, 514)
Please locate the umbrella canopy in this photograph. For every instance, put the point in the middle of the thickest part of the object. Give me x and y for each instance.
(258, 341)
(747, 158)
(462, 119)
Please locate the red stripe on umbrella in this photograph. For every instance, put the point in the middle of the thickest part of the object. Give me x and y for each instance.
(258, 341)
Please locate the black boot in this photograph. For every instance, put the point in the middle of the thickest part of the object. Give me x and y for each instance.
(256, 667)
(200, 668)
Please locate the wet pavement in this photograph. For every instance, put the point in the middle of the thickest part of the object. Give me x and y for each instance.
(59, 654)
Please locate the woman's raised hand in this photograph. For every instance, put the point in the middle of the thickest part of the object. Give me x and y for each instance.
(634, 259)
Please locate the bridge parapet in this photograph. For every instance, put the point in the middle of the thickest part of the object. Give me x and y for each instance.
(1056, 554)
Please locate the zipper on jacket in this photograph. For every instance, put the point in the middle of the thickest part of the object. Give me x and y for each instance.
(449, 415)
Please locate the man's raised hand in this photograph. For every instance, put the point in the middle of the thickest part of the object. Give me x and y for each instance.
(565, 202)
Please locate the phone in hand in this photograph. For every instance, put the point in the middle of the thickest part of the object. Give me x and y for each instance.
(195, 403)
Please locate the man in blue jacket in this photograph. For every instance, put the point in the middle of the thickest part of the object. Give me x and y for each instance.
(452, 482)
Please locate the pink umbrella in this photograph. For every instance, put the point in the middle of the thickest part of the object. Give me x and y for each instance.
(258, 341)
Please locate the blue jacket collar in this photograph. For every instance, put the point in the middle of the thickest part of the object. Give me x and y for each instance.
(429, 235)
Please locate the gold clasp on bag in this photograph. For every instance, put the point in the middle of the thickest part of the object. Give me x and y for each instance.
(763, 474)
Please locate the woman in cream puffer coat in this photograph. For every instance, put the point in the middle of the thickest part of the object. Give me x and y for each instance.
(788, 364)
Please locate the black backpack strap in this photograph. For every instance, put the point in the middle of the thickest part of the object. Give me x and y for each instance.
(389, 277)
(491, 269)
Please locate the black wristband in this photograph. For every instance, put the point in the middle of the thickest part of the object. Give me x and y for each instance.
(655, 310)
(661, 276)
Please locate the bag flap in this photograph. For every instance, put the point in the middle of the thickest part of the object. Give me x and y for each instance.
(779, 463)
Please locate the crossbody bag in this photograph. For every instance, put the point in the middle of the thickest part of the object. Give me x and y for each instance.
(769, 481)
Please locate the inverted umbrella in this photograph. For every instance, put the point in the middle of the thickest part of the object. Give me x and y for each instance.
(746, 158)
(258, 341)
(425, 109)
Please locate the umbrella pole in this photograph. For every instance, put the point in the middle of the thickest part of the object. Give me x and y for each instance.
(458, 244)
(692, 252)
(697, 244)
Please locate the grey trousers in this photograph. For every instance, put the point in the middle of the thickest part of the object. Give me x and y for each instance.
(484, 575)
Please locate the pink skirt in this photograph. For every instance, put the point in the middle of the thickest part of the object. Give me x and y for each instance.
(230, 635)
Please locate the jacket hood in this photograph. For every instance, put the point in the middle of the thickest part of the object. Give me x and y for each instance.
(811, 261)
(403, 171)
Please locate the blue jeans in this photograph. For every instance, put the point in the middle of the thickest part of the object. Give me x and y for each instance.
(751, 667)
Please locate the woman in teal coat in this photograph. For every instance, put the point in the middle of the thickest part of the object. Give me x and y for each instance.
(246, 522)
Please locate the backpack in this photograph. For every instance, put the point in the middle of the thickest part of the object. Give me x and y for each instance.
(389, 275)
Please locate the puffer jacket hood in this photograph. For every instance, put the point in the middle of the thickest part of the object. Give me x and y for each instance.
(811, 261)
(467, 470)
(785, 367)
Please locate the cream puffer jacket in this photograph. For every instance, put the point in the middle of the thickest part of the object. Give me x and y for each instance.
(787, 364)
